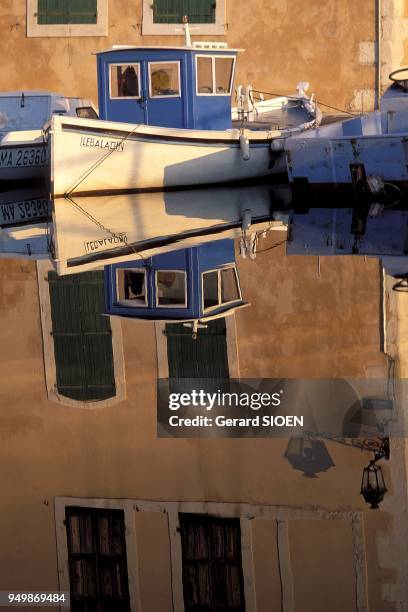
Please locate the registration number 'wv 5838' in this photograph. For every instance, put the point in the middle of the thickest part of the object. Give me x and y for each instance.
(27, 156)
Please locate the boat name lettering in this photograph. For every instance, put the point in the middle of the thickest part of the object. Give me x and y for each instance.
(100, 243)
(101, 143)
(13, 212)
(13, 158)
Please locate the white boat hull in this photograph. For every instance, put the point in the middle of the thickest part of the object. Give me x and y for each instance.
(90, 156)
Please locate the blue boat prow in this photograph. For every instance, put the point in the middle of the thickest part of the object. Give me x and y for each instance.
(180, 87)
(192, 284)
(356, 153)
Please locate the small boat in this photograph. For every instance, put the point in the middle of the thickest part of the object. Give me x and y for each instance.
(279, 111)
(166, 123)
(357, 155)
(24, 152)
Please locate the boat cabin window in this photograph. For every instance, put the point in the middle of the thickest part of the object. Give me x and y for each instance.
(229, 286)
(214, 75)
(124, 81)
(131, 287)
(220, 287)
(210, 289)
(204, 75)
(224, 71)
(164, 79)
(171, 288)
(86, 112)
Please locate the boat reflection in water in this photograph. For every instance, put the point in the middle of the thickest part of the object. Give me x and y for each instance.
(373, 231)
(192, 285)
(25, 217)
(84, 233)
(348, 231)
(89, 232)
(167, 256)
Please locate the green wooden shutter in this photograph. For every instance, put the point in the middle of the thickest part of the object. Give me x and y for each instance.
(51, 11)
(172, 11)
(67, 11)
(82, 336)
(205, 359)
(82, 11)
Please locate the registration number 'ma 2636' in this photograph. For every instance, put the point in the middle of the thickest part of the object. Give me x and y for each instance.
(27, 156)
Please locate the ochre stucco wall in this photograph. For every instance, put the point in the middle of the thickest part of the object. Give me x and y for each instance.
(299, 324)
(50, 450)
(319, 42)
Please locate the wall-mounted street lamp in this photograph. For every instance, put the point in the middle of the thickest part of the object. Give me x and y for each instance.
(309, 454)
(373, 486)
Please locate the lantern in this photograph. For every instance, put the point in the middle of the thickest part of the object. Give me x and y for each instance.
(372, 485)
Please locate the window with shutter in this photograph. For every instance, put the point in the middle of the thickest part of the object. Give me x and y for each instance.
(165, 17)
(67, 11)
(97, 560)
(65, 18)
(212, 564)
(173, 11)
(82, 337)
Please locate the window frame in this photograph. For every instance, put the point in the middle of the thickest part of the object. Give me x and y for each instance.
(208, 522)
(247, 513)
(214, 79)
(60, 504)
(175, 29)
(131, 303)
(100, 28)
(116, 64)
(179, 305)
(220, 302)
(96, 556)
(232, 346)
(149, 64)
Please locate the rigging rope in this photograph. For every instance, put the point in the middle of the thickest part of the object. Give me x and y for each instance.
(100, 225)
(99, 162)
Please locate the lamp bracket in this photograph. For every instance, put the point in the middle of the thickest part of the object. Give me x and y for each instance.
(384, 450)
(379, 446)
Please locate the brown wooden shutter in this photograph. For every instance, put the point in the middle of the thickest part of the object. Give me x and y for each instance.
(97, 560)
(212, 564)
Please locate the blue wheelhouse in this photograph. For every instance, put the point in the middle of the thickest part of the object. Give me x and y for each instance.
(180, 87)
